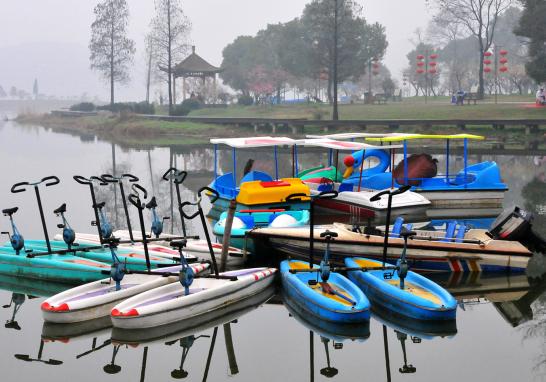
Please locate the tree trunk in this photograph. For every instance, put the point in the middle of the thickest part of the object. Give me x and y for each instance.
(329, 92)
(112, 60)
(169, 58)
(149, 75)
(481, 87)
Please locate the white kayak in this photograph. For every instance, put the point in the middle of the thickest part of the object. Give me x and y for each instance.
(96, 299)
(168, 304)
(197, 247)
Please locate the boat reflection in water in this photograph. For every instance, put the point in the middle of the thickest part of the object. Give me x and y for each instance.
(329, 333)
(185, 334)
(414, 330)
(511, 294)
(22, 289)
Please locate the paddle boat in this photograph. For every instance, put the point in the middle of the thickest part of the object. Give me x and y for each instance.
(403, 292)
(170, 303)
(96, 299)
(325, 295)
(245, 220)
(355, 200)
(195, 296)
(476, 184)
(257, 189)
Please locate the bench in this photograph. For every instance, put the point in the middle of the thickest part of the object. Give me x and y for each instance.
(472, 97)
(380, 98)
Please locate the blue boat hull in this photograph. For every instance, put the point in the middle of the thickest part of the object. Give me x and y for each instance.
(422, 299)
(298, 291)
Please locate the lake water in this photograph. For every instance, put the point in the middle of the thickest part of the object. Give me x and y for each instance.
(501, 321)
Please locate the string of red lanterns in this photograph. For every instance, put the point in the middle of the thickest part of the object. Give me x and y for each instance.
(502, 60)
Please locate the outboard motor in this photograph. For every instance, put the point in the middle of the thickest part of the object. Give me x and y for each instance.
(516, 224)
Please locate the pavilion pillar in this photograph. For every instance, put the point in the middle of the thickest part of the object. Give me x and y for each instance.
(214, 89)
(183, 88)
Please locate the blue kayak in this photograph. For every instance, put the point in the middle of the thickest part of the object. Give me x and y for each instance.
(337, 300)
(420, 299)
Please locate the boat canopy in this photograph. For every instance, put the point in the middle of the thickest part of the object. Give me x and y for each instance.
(346, 136)
(252, 142)
(341, 145)
(406, 137)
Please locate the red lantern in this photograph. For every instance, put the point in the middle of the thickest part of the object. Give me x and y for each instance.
(487, 69)
(375, 65)
(432, 71)
(432, 63)
(488, 54)
(420, 71)
(420, 57)
(420, 63)
(503, 69)
(503, 60)
(434, 56)
(503, 52)
(487, 61)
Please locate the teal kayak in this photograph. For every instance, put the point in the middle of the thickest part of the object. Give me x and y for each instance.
(64, 268)
(134, 261)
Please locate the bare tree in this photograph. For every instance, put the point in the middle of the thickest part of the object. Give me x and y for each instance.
(170, 29)
(149, 55)
(477, 18)
(111, 50)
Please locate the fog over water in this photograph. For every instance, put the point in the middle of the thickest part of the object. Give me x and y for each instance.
(47, 39)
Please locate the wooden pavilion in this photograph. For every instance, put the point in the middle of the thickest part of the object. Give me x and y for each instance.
(194, 66)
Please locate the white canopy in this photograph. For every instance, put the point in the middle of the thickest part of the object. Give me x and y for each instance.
(345, 136)
(341, 145)
(251, 142)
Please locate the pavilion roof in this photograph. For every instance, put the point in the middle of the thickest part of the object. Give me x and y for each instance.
(195, 65)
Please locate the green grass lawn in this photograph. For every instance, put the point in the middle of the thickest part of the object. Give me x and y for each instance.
(411, 108)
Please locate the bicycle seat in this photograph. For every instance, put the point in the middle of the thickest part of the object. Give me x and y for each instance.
(61, 209)
(152, 203)
(10, 211)
(407, 233)
(179, 243)
(100, 205)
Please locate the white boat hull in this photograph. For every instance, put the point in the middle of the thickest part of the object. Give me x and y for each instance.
(168, 304)
(94, 300)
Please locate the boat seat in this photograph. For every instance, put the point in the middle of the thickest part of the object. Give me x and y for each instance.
(100, 205)
(152, 203)
(397, 227)
(10, 211)
(60, 210)
(460, 233)
(346, 186)
(450, 231)
(326, 186)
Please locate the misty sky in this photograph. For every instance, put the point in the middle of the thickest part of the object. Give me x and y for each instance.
(48, 39)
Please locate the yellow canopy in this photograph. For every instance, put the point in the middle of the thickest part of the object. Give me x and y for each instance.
(405, 137)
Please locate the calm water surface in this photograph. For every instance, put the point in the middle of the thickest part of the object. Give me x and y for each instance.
(501, 322)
